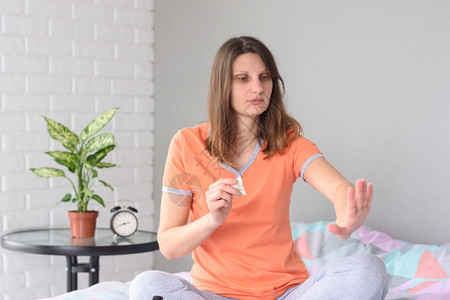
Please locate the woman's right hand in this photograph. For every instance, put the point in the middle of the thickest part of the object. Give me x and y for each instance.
(219, 198)
(176, 236)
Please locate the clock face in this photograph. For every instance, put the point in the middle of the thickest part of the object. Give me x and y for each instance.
(124, 223)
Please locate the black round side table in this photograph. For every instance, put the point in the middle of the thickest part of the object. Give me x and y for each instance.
(58, 241)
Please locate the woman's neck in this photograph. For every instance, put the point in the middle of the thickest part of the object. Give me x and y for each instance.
(247, 137)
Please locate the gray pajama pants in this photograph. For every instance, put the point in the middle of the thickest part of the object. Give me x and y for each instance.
(358, 277)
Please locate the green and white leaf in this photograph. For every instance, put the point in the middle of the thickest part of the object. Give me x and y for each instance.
(72, 168)
(98, 199)
(97, 124)
(88, 192)
(67, 159)
(88, 165)
(99, 142)
(61, 133)
(98, 156)
(62, 155)
(48, 172)
(105, 165)
(66, 198)
(106, 184)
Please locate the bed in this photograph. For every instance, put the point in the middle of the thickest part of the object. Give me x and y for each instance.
(415, 271)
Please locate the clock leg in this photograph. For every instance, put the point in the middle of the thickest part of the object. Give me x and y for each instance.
(94, 269)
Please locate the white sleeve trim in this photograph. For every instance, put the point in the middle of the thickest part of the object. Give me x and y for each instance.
(176, 191)
(306, 164)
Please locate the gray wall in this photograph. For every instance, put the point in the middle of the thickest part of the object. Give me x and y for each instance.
(368, 80)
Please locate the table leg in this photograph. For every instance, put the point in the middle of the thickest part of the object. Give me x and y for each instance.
(93, 270)
(73, 268)
(72, 277)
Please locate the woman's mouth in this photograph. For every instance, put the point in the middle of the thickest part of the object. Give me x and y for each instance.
(256, 101)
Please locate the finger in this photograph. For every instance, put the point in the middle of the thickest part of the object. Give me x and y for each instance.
(225, 185)
(369, 195)
(232, 190)
(351, 204)
(218, 204)
(360, 194)
(218, 194)
(333, 228)
(227, 189)
(227, 181)
(340, 232)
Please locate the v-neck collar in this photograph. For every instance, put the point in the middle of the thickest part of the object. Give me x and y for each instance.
(247, 164)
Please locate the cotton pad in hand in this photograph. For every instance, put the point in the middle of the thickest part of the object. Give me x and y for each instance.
(240, 186)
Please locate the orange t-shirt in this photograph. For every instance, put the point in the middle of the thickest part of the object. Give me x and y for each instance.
(251, 256)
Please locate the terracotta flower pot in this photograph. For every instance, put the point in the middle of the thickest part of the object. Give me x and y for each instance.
(83, 241)
(82, 224)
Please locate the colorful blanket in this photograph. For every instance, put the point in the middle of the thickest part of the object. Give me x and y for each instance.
(415, 271)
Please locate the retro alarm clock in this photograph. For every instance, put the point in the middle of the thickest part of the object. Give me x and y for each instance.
(124, 221)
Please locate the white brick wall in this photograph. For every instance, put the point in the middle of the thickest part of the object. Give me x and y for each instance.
(71, 60)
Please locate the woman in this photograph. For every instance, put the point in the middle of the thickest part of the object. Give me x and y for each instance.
(232, 178)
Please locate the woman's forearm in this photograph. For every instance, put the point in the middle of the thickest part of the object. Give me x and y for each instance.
(339, 200)
(181, 240)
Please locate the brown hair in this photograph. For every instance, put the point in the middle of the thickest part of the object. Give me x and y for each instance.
(274, 123)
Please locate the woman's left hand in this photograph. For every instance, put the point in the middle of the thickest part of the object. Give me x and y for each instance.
(359, 199)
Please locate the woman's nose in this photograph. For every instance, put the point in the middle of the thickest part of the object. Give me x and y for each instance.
(257, 86)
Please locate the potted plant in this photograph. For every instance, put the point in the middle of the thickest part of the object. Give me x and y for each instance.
(84, 156)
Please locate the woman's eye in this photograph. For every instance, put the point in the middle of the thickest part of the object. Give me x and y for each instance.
(242, 78)
(265, 77)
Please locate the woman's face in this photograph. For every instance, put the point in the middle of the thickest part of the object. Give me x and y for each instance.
(251, 85)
